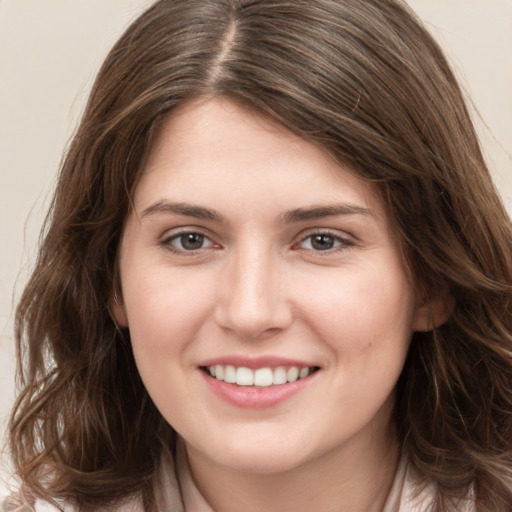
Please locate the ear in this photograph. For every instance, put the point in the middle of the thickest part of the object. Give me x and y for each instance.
(118, 310)
(432, 312)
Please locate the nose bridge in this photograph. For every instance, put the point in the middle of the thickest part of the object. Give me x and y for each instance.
(251, 296)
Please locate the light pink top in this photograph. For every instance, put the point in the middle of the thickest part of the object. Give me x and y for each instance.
(403, 497)
(177, 492)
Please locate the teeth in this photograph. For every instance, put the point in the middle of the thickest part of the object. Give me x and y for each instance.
(244, 376)
(230, 374)
(303, 372)
(262, 377)
(279, 376)
(293, 373)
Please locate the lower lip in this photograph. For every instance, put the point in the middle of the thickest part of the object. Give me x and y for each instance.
(253, 397)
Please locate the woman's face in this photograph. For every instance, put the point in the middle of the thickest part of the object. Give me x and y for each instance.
(267, 304)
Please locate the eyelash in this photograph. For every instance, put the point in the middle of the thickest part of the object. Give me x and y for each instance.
(167, 242)
(340, 243)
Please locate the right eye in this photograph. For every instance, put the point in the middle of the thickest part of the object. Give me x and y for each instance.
(321, 242)
(187, 241)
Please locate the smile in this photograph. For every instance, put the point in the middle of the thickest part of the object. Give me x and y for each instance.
(260, 377)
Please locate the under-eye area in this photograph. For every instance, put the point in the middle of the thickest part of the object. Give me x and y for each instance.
(260, 377)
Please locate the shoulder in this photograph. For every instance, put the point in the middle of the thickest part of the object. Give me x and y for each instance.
(14, 499)
(410, 493)
(13, 503)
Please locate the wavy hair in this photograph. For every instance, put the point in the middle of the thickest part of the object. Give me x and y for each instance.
(366, 82)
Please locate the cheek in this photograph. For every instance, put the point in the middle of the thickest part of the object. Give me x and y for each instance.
(164, 310)
(362, 309)
(165, 313)
(366, 321)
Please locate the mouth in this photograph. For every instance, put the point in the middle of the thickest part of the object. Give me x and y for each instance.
(264, 377)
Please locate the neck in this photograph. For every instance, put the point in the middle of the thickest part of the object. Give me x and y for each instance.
(355, 477)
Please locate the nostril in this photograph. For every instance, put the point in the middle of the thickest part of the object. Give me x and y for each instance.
(251, 319)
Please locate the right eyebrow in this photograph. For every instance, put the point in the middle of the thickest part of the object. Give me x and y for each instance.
(304, 214)
(188, 210)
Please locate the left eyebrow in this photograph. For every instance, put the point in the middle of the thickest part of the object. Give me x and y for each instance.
(187, 210)
(318, 212)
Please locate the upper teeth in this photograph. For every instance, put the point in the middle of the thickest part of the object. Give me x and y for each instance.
(262, 377)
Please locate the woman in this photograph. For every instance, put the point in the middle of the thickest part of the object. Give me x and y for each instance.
(276, 275)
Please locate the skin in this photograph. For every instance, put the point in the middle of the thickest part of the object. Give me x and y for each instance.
(258, 286)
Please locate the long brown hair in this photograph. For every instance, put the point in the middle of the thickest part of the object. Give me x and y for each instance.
(361, 79)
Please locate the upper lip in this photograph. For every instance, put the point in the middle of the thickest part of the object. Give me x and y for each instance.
(255, 362)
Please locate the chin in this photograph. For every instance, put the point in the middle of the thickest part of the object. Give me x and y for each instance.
(263, 464)
(255, 455)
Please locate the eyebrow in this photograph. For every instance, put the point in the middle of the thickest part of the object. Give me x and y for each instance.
(303, 214)
(188, 210)
(289, 217)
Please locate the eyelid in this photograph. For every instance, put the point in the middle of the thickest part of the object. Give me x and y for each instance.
(172, 234)
(346, 241)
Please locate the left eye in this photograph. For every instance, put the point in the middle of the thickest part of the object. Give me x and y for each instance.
(322, 242)
(189, 241)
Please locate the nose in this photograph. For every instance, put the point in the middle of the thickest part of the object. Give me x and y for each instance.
(252, 297)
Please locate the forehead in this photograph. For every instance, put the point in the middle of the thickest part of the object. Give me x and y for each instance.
(218, 147)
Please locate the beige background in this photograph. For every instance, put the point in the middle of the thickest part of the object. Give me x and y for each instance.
(51, 49)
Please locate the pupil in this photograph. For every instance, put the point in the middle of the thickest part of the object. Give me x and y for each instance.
(322, 242)
(192, 241)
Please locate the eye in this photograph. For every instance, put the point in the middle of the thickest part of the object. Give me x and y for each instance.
(324, 241)
(187, 241)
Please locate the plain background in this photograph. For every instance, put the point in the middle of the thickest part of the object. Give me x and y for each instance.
(50, 51)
